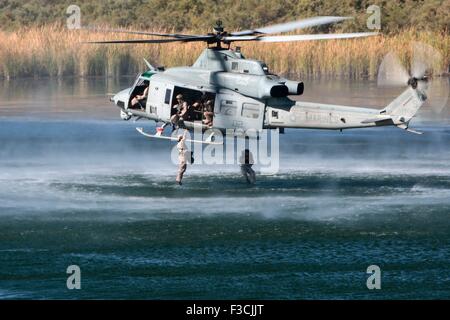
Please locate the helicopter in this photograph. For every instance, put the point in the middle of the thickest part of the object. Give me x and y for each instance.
(245, 94)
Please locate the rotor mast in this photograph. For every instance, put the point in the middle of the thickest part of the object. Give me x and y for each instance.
(219, 34)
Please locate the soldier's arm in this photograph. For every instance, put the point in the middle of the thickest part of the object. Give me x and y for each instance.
(184, 109)
(145, 94)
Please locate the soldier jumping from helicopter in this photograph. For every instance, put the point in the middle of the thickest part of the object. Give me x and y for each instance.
(246, 161)
(184, 156)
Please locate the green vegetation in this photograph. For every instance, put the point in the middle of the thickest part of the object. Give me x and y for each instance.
(55, 51)
(201, 14)
(34, 41)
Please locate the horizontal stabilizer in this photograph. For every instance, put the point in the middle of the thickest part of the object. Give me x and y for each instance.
(375, 120)
(405, 127)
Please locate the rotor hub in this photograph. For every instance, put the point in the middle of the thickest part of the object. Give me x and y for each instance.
(218, 28)
(413, 81)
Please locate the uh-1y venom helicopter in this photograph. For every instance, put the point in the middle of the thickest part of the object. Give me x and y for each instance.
(245, 94)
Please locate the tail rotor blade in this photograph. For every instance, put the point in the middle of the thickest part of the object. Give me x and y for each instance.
(391, 72)
(427, 61)
(424, 56)
(437, 92)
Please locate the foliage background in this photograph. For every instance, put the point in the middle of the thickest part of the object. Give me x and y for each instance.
(201, 14)
(34, 40)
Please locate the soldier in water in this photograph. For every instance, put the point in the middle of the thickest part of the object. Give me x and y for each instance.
(184, 157)
(246, 161)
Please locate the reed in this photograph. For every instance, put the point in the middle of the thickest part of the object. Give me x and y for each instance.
(54, 51)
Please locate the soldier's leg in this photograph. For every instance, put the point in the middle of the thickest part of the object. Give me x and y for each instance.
(181, 170)
(180, 123)
(252, 175)
(244, 173)
(165, 125)
(174, 120)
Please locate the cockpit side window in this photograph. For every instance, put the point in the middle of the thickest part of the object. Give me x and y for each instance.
(168, 96)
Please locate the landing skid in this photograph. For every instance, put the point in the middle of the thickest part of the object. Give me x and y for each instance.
(156, 136)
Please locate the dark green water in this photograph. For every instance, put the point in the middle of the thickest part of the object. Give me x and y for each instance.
(95, 194)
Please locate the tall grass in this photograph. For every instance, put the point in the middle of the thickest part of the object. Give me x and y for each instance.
(54, 51)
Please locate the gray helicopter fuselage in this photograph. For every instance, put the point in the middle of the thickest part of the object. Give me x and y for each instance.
(247, 96)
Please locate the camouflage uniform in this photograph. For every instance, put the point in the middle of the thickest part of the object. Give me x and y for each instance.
(175, 119)
(208, 113)
(182, 162)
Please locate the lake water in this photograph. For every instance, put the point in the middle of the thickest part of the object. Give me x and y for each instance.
(78, 186)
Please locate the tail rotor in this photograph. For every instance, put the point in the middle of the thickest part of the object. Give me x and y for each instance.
(422, 75)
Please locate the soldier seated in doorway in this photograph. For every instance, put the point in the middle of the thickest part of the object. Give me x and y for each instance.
(187, 113)
(136, 102)
(208, 113)
(176, 109)
(198, 111)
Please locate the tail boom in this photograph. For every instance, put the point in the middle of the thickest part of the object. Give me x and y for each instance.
(290, 114)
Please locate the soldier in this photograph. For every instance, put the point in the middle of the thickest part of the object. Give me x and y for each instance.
(208, 113)
(179, 107)
(183, 154)
(136, 101)
(187, 112)
(174, 120)
(197, 111)
(246, 161)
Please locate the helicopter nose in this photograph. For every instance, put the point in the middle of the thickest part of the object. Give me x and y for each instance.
(120, 98)
(115, 98)
(118, 101)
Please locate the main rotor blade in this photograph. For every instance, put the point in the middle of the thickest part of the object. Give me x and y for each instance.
(301, 37)
(172, 35)
(289, 26)
(391, 72)
(193, 39)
